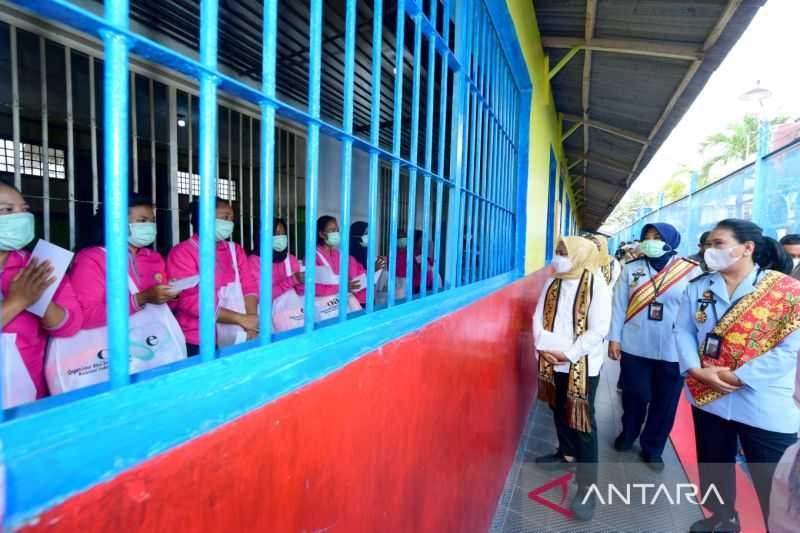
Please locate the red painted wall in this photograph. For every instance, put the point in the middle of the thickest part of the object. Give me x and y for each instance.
(416, 436)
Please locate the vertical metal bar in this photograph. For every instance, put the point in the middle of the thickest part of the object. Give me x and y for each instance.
(208, 176)
(476, 132)
(312, 155)
(478, 178)
(45, 159)
(70, 146)
(412, 176)
(190, 133)
(294, 183)
(230, 161)
(15, 106)
(134, 134)
(250, 188)
(267, 178)
(152, 103)
(240, 189)
(280, 159)
(397, 131)
(347, 154)
(374, 167)
(115, 136)
(172, 116)
(440, 167)
(457, 135)
(93, 132)
(426, 202)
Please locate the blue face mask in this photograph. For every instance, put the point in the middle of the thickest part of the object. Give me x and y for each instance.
(16, 231)
(142, 234)
(224, 229)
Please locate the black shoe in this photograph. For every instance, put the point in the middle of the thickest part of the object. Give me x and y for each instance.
(620, 445)
(553, 462)
(655, 463)
(583, 505)
(716, 524)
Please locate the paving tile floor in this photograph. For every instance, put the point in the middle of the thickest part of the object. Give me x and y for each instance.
(517, 513)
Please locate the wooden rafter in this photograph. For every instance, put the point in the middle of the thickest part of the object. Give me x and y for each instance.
(627, 46)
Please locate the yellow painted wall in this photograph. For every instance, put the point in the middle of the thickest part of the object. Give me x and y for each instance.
(545, 131)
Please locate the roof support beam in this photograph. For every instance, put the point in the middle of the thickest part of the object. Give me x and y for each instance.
(612, 164)
(572, 130)
(591, 17)
(608, 128)
(563, 63)
(627, 46)
(575, 163)
(710, 41)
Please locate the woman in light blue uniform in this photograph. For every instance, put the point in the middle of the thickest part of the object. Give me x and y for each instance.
(738, 336)
(646, 300)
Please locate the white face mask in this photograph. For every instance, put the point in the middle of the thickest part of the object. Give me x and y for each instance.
(561, 264)
(720, 259)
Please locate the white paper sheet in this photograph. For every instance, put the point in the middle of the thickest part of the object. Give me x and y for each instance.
(549, 342)
(181, 285)
(362, 281)
(60, 259)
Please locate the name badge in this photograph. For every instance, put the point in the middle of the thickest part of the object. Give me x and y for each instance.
(712, 346)
(655, 311)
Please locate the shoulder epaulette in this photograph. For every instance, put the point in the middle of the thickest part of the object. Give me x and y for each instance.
(692, 261)
(633, 260)
(701, 276)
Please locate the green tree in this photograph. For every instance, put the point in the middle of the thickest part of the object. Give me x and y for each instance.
(736, 143)
(626, 210)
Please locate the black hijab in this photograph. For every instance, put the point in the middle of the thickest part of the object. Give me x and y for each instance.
(278, 257)
(358, 252)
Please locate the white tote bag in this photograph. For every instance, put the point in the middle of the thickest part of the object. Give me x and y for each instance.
(155, 339)
(287, 309)
(18, 387)
(231, 297)
(326, 307)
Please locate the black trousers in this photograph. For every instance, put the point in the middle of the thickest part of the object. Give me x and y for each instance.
(652, 390)
(192, 349)
(716, 441)
(582, 446)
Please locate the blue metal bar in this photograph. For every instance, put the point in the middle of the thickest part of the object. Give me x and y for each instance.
(473, 204)
(412, 186)
(397, 130)
(209, 10)
(115, 118)
(437, 241)
(374, 137)
(347, 156)
(478, 155)
(269, 46)
(480, 231)
(494, 86)
(312, 159)
(426, 205)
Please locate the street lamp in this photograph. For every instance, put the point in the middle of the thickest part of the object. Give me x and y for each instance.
(759, 94)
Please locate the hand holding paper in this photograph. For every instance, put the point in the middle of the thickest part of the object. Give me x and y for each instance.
(59, 260)
(181, 285)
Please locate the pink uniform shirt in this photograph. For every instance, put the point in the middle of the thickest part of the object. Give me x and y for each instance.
(31, 334)
(183, 261)
(416, 274)
(88, 277)
(354, 270)
(280, 281)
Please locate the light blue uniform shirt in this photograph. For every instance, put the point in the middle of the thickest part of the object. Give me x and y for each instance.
(765, 400)
(641, 336)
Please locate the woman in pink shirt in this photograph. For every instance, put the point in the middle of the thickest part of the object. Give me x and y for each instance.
(327, 262)
(183, 261)
(286, 274)
(145, 267)
(359, 242)
(416, 274)
(22, 282)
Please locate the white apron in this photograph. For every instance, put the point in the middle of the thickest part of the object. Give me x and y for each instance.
(287, 309)
(326, 307)
(231, 297)
(155, 339)
(18, 387)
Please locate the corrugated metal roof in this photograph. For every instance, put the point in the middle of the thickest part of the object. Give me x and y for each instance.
(647, 60)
